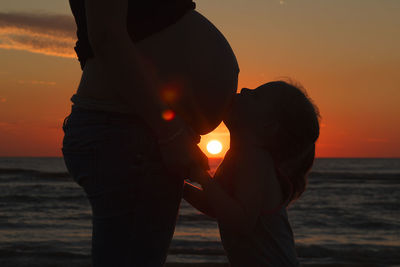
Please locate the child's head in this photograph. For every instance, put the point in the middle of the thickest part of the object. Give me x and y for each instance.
(282, 118)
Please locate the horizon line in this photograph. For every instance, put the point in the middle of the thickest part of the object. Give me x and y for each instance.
(359, 157)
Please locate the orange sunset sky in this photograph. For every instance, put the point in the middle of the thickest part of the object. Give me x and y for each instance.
(346, 53)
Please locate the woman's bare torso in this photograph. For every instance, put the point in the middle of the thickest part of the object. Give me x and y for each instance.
(191, 58)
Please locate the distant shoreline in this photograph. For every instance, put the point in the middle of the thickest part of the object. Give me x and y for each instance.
(211, 158)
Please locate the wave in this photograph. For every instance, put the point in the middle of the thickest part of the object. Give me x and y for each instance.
(182, 247)
(315, 174)
(352, 253)
(349, 254)
(23, 198)
(70, 224)
(33, 173)
(194, 218)
(8, 174)
(21, 251)
(351, 176)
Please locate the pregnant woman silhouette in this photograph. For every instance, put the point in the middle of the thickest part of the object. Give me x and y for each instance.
(156, 75)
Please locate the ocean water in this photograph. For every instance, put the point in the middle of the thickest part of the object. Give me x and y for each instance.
(349, 216)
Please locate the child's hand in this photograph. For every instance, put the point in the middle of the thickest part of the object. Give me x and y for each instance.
(200, 176)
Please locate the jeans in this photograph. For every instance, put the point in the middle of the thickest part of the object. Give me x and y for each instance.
(115, 158)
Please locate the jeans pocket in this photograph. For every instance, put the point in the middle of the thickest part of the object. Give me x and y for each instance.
(81, 164)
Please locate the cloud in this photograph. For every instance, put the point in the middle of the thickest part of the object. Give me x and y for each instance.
(35, 82)
(22, 127)
(7, 126)
(327, 145)
(49, 34)
(377, 140)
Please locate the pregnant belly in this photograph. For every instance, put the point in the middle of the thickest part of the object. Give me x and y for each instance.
(197, 70)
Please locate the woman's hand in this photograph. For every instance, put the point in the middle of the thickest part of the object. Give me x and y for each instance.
(181, 154)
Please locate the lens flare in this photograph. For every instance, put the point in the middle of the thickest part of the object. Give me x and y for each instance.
(169, 94)
(168, 115)
(214, 147)
(171, 91)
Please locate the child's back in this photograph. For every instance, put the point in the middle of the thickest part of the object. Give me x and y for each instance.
(270, 242)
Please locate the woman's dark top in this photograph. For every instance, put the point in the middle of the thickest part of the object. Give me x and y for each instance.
(145, 18)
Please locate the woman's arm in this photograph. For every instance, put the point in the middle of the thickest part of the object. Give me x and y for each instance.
(119, 61)
(197, 198)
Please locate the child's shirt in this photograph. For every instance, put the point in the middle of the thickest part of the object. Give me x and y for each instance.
(270, 244)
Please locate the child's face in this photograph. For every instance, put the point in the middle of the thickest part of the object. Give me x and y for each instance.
(251, 112)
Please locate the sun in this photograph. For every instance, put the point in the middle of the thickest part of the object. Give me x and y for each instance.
(214, 147)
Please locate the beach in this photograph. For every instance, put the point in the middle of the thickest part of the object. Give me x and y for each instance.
(349, 216)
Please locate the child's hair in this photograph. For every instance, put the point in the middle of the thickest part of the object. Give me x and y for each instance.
(293, 147)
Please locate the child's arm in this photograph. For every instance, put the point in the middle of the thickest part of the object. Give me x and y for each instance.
(197, 198)
(238, 214)
(228, 211)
